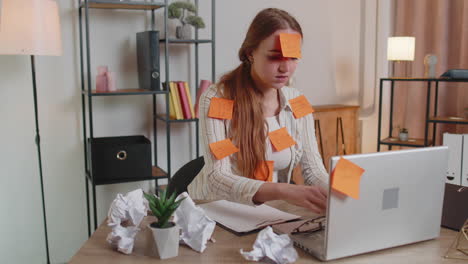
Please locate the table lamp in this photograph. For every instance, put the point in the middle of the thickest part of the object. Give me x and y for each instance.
(31, 27)
(400, 49)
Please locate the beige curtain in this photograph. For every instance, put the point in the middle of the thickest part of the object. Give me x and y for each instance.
(440, 28)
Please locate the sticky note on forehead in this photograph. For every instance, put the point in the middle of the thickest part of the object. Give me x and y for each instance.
(290, 45)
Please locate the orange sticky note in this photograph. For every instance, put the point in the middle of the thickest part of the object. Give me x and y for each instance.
(223, 148)
(281, 139)
(290, 45)
(346, 178)
(264, 171)
(221, 108)
(300, 106)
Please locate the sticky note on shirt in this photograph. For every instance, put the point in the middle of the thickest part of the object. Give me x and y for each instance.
(264, 171)
(221, 108)
(223, 148)
(290, 45)
(280, 139)
(346, 178)
(300, 106)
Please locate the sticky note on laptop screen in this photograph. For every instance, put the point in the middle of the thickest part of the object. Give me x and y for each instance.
(290, 45)
(346, 178)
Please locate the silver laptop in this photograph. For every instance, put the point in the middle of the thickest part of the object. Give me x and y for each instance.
(401, 195)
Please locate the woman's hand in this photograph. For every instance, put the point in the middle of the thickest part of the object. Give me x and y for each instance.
(313, 198)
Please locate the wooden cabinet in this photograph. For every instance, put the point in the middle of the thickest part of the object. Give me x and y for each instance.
(337, 131)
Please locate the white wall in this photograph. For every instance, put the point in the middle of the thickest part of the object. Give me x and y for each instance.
(337, 67)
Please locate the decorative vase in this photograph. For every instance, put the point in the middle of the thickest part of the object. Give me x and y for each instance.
(167, 240)
(403, 136)
(184, 32)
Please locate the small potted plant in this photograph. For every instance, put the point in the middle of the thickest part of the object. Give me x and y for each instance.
(165, 233)
(403, 135)
(179, 10)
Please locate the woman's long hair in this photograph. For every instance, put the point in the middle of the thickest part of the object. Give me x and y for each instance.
(248, 130)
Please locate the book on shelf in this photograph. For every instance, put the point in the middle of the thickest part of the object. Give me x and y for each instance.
(176, 101)
(180, 100)
(184, 100)
(172, 114)
(189, 96)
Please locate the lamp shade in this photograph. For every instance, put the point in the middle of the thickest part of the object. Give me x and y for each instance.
(30, 27)
(400, 48)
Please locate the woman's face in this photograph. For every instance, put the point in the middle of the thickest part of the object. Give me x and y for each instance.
(269, 68)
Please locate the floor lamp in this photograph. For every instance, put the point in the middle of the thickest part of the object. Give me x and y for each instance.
(31, 27)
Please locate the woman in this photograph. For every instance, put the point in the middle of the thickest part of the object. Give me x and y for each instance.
(257, 88)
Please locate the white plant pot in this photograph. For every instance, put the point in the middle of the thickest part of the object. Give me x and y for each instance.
(184, 32)
(167, 241)
(403, 136)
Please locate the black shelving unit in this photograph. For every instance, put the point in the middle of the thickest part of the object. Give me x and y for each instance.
(87, 94)
(434, 119)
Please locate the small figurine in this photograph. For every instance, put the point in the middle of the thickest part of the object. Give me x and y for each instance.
(430, 61)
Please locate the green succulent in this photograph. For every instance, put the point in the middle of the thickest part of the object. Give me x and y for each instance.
(178, 10)
(195, 21)
(163, 207)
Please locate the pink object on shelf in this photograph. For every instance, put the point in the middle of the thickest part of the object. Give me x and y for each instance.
(204, 84)
(101, 83)
(111, 82)
(102, 70)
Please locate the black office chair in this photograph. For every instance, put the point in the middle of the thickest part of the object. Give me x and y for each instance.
(185, 175)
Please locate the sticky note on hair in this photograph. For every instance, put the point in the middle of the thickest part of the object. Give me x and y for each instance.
(223, 148)
(346, 178)
(290, 45)
(280, 139)
(221, 108)
(264, 171)
(301, 106)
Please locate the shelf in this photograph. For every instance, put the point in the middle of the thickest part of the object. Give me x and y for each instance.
(164, 118)
(116, 4)
(186, 41)
(125, 92)
(448, 120)
(411, 142)
(424, 79)
(157, 173)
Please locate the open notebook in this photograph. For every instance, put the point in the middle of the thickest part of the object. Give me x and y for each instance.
(241, 218)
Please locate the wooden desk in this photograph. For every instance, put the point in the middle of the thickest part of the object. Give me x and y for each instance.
(227, 246)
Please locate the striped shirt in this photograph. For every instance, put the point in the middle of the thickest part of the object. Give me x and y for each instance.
(220, 179)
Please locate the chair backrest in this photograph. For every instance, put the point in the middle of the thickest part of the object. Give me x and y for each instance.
(185, 175)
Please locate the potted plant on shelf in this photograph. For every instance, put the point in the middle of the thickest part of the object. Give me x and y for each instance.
(403, 135)
(179, 10)
(165, 232)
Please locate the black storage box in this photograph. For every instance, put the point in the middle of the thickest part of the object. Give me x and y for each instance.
(455, 210)
(116, 159)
